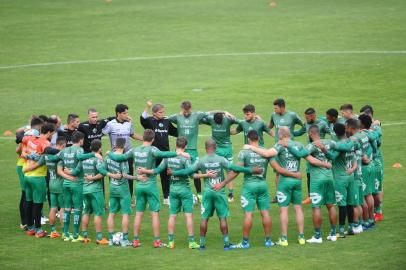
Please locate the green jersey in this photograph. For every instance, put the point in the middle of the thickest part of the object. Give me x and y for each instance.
(115, 167)
(175, 163)
(144, 156)
(89, 167)
(188, 127)
(287, 119)
(70, 161)
(55, 181)
(289, 158)
(251, 159)
(330, 127)
(258, 125)
(316, 172)
(368, 144)
(378, 130)
(220, 132)
(323, 128)
(343, 156)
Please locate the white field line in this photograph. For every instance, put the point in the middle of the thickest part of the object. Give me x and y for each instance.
(146, 58)
(208, 135)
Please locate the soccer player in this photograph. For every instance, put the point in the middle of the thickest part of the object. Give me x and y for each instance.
(67, 131)
(321, 185)
(220, 132)
(180, 193)
(212, 168)
(331, 119)
(347, 112)
(35, 184)
(286, 155)
(255, 192)
(146, 192)
(311, 119)
(93, 198)
(251, 123)
(163, 128)
(187, 123)
(378, 162)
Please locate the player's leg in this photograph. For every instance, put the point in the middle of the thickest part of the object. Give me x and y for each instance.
(207, 210)
(284, 197)
(297, 203)
(187, 204)
(171, 230)
(224, 232)
(125, 205)
(52, 214)
(39, 196)
(330, 202)
(23, 203)
(114, 207)
(316, 194)
(248, 200)
(308, 199)
(68, 202)
(203, 231)
(141, 203)
(152, 195)
(221, 207)
(368, 174)
(29, 210)
(97, 199)
(87, 211)
(341, 184)
(77, 198)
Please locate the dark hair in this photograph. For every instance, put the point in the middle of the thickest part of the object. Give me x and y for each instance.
(248, 108)
(52, 120)
(36, 121)
(51, 151)
(218, 118)
(47, 128)
(77, 136)
(339, 129)
(346, 107)
(252, 135)
(367, 109)
(186, 105)
(332, 112)
(310, 111)
(352, 123)
(61, 140)
(149, 135)
(72, 117)
(91, 110)
(120, 108)
(280, 102)
(43, 118)
(365, 120)
(120, 143)
(181, 142)
(95, 145)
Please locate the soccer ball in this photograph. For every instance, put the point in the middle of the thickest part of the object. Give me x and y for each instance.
(117, 238)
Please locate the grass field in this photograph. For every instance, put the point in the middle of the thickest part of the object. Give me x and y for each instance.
(202, 51)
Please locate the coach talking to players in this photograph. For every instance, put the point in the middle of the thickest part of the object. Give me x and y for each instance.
(163, 129)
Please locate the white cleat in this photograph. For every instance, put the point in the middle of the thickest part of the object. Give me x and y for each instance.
(358, 229)
(166, 201)
(314, 240)
(332, 238)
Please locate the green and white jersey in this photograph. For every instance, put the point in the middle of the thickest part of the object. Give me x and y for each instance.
(359, 152)
(344, 157)
(286, 159)
(258, 125)
(220, 133)
(287, 119)
(316, 172)
(70, 161)
(115, 167)
(55, 180)
(367, 144)
(330, 126)
(188, 127)
(177, 163)
(323, 129)
(251, 159)
(89, 167)
(378, 130)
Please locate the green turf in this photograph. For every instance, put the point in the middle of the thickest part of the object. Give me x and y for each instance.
(52, 31)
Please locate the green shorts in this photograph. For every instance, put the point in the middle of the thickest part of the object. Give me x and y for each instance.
(289, 191)
(57, 200)
(180, 199)
(359, 194)
(346, 191)
(194, 155)
(35, 189)
(214, 201)
(120, 199)
(322, 192)
(93, 203)
(378, 177)
(21, 177)
(255, 193)
(368, 178)
(147, 194)
(226, 152)
(73, 195)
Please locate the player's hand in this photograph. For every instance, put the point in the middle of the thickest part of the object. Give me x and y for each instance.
(211, 174)
(257, 117)
(169, 171)
(218, 186)
(349, 172)
(142, 178)
(88, 178)
(327, 165)
(67, 171)
(149, 103)
(377, 122)
(272, 133)
(365, 160)
(257, 170)
(283, 143)
(297, 175)
(247, 147)
(141, 170)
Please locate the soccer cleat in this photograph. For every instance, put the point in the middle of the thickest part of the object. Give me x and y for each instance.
(302, 241)
(202, 248)
(241, 245)
(230, 198)
(283, 243)
(54, 234)
(111, 242)
(30, 232)
(86, 240)
(358, 229)
(228, 246)
(307, 201)
(158, 244)
(136, 243)
(192, 245)
(341, 235)
(171, 244)
(371, 225)
(349, 232)
(79, 239)
(124, 243)
(332, 238)
(378, 217)
(314, 240)
(269, 243)
(68, 238)
(102, 242)
(41, 234)
(23, 227)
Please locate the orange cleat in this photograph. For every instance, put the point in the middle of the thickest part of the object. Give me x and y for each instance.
(378, 217)
(136, 243)
(30, 232)
(307, 201)
(41, 234)
(102, 242)
(87, 240)
(54, 235)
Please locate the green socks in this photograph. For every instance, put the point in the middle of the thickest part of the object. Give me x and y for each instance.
(170, 237)
(191, 238)
(99, 236)
(66, 222)
(226, 239)
(76, 223)
(202, 241)
(317, 233)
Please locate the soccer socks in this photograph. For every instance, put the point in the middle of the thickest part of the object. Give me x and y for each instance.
(170, 237)
(37, 210)
(76, 222)
(333, 230)
(136, 237)
(342, 214)
(231, 192)
(300, 235)
(245, 241)
(111, 235)
(53, 228)
(66, 222)
(317, 233)
(226, 240)
(202, 241)
(125, 236)
(85, 234)
(99, 236)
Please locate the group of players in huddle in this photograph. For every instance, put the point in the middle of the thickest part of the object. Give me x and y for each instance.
(345, 171)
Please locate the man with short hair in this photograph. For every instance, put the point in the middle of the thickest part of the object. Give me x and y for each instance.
(347, 112)
(72, 124)
(331, 119)
(163, 129)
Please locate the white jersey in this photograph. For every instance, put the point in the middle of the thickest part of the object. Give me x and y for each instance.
(116, 129)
